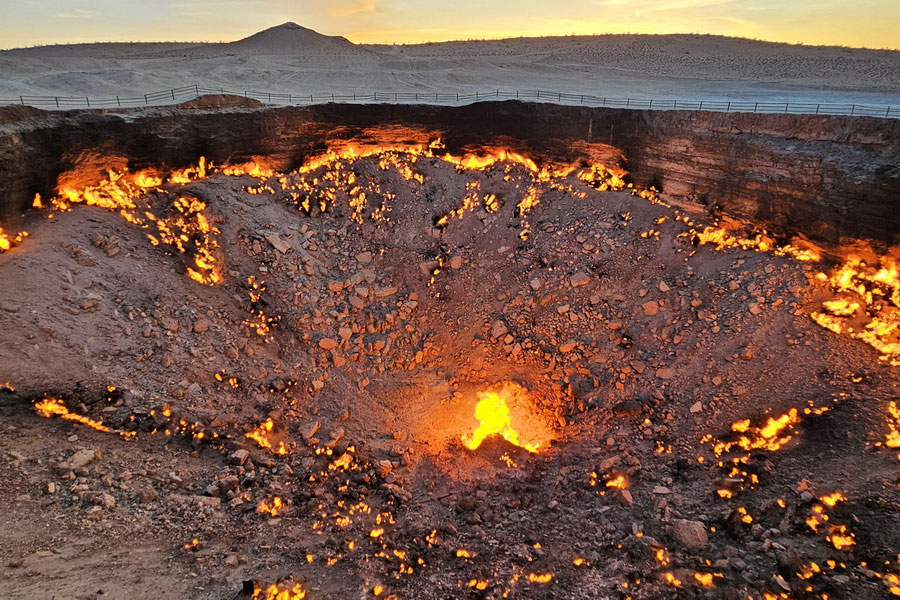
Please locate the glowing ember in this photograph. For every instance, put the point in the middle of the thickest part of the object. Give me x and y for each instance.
(260, 435)
(540, 577)
(275, 592)
(54, 407)
(7, 241)
(893, 421)
(868, 306)
(771, 436)
(271, 507)
(494, 415)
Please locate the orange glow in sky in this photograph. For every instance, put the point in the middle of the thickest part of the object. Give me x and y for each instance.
(862, 23)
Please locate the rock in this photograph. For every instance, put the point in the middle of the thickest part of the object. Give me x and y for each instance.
(563, 309)
(318, 384)
(80, 459)
(10, 308)
(568, 347)
(625, 498)
(169, 324)
(755, 309)
(327, 344)
(665, 373)
(498, 330)
(364, 257)
(650, 307)
(278, 243)
(535, 284)
(385, 292)
(201, 325)
(579, 279)
(696, 407)
(147, 494)
(628, 408)
(239, 457)
(95, 513)
(663, 286)
(456, 262)
(309, 430)
(691, 534)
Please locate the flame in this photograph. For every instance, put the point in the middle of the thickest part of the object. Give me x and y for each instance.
(493, 413)
(618, 482)
(54, 407)
(540, 577)
(840, 537)
(7, 241)
(274, 592)
(260, 435)
(272, 507)
(868, 306)
(893, 436)
(768, 437)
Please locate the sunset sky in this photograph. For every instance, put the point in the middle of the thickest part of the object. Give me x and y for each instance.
(869, 23)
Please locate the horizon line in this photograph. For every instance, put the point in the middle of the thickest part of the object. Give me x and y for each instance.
(460, 40)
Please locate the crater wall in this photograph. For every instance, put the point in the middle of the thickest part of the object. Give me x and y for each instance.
(820, 176)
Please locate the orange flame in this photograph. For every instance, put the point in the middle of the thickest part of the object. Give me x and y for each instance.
(54, 407)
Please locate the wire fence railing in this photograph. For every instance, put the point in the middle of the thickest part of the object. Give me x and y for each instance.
(184, 93)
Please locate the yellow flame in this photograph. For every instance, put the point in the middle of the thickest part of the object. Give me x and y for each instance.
(54, 407)
(493, 413)
(274, 592)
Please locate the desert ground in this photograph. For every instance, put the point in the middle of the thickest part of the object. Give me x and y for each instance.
(291, 59)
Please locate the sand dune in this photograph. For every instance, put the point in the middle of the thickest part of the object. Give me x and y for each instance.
(291, 58)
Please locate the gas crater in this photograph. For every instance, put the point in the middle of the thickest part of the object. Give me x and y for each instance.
(403, 366)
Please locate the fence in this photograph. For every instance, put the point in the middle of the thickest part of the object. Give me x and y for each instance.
(194, 91)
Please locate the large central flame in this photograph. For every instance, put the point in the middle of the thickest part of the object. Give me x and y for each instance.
(493, 413)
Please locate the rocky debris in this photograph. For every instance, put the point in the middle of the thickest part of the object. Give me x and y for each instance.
(651, 308)
(80, 459)
(498, 330)
(691, 534)
(327, 344)
(579, 279)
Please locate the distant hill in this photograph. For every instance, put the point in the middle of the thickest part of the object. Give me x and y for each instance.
(288, 38)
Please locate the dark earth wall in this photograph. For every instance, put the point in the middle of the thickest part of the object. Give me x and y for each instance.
(824, 177)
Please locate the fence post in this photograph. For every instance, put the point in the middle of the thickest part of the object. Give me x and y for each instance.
(476, 95)
(119, 102)
(173, 93)
(457, 96)
(651, 103)
(88, 101)
(57, 101)
(701, 105)
(604, 100)
(558, 97)
(196, 90)
(852, 110)
(310, 99)
(887, 113)
(498, 92)
(395, 96)
(145, 99)
(627, 101)
(517, 94)
(786, 107)
(270, 97)
(728, 108)
(675, 107)
(417, 96)
(817, 108)
(291, 98)
(376, 96)
(755, 107)
(22, 100)
(582, 98)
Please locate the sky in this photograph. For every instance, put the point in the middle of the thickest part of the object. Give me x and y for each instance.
(859, 23)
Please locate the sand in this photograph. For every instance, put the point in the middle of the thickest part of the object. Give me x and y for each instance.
(292, 59)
